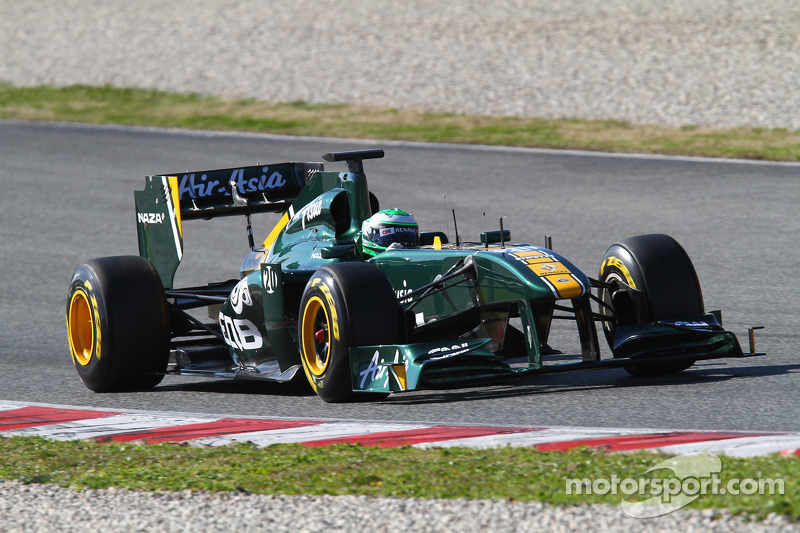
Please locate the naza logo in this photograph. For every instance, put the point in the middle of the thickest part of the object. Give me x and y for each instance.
(150, 218)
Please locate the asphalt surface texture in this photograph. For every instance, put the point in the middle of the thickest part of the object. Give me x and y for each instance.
(67, 197)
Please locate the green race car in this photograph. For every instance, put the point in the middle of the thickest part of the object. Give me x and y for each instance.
(361, 303)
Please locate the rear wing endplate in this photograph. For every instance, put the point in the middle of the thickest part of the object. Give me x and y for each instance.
(169, 199)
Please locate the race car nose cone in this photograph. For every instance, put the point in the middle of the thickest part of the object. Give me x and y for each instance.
(321, 335)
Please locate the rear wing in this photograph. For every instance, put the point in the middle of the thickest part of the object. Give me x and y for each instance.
(169, 199)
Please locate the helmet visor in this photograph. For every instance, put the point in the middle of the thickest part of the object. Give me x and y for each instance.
(386, 235)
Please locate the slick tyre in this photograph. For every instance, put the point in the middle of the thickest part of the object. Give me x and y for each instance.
(659, 267)
(117, 324)
(344, 305)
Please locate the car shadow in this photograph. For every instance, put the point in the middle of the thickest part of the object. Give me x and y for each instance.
(613, 379)
(294, 388)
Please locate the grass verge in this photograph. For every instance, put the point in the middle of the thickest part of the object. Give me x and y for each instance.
(513, 474)
(104, 105)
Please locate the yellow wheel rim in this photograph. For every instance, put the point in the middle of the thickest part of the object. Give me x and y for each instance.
(80, 328)
(316, 350)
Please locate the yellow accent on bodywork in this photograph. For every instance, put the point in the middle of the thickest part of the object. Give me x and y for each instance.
(535, 260)
(549, 268)
(553, 271)
(531, 253)
(619, 265)
(437, 245)
(270, 240)
(400, 373)
(567, 286)
(176, 201)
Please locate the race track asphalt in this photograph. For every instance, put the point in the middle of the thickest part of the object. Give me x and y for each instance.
(66, 197)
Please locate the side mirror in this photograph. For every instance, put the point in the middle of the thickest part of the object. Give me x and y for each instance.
(491, 237)
(426, 237)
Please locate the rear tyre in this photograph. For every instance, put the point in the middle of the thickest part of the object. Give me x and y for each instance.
(117, 324)
(659, 267)
(344, 305)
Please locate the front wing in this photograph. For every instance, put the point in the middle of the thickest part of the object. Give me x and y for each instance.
(406, 367)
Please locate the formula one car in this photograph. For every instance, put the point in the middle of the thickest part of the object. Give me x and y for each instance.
(432, 314)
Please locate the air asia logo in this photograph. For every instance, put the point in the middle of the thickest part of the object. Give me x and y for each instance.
(376, 369)
(194, 186)
(699, 324)
(310, 212)
(400, 293)
(150, 218)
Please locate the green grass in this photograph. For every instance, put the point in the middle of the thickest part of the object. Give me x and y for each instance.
(105, 105)
(512, 474)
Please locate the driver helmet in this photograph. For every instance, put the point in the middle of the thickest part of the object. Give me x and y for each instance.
(388, 228)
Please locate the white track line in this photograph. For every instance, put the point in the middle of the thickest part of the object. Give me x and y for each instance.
(103, 427)
(328, 430)
(129, 421)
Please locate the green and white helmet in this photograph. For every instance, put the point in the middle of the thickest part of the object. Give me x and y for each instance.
(386, 228)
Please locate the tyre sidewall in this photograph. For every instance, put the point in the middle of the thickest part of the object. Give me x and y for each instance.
(131, 341)
(97, 374)
(367, 313)
(659, 267)
(334, 383)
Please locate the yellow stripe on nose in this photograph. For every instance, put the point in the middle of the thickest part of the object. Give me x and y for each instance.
(566, 286)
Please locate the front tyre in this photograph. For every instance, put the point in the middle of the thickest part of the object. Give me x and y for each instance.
(658, 267)
(344, 305)
(117, 324)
